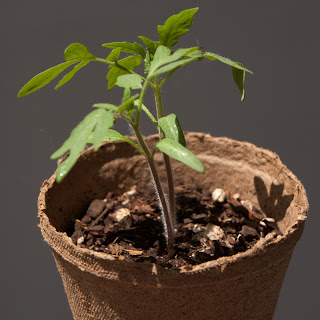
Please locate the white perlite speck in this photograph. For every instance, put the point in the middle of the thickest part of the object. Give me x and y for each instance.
(123, 216)
(132, 191)
(219, 195)
(248, 204)
(263, 224)
(213, 232)
(128, 194)
(198, 228)
(80, 240)
(237, 196)
(210, 232)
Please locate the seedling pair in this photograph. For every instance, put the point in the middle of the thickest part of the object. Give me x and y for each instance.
(160, 62)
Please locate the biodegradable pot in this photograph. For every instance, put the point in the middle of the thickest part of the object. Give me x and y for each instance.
(243, 286)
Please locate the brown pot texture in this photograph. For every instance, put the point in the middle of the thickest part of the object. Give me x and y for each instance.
(243, 286)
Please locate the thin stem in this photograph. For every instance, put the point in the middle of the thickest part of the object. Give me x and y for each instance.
(157, 93)
(173, 71)
(167, 217)
(150, 115)
(141, 141)
(156, 179)
(130, 121)
(143, 91)
(123, 116)
(167, 76)
(149, 156)
(127, 102)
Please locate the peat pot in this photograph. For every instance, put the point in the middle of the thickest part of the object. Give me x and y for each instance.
(243, 286)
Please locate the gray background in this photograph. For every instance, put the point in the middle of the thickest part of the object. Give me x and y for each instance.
(278, 40)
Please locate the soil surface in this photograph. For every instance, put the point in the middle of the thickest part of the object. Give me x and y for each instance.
(209, 226)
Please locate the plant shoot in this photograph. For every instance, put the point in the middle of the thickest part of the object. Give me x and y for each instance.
(160, 62)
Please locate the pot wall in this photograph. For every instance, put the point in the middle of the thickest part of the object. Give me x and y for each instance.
(243, 286)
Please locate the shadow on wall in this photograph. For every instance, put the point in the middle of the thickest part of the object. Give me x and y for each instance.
(274, 204)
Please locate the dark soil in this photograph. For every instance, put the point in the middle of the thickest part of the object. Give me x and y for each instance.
(129, 227)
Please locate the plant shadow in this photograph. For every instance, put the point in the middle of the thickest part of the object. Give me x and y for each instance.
(274, 204)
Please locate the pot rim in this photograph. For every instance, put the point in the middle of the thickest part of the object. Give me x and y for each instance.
(103, 264)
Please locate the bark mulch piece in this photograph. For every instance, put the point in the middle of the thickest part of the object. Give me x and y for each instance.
(129, 227)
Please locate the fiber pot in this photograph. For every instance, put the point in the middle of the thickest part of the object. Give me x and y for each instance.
(243, 286)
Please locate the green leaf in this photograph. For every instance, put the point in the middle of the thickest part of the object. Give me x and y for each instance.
(212, 56)
(43, 78)
(71, 73)
(238, 71)
(113, 135)
(150, 44)
(175, 27)
(172, 66)
(115, 71)
(239, 79)
(160, 57)
(109, 135)
(163, 56)
(132, 81)
(177, 151)
(78, 51)
(78, 139)
(195, 54)
(127, 47)
(171, 128)
(114, 55)
(107, 106)
(105, 122)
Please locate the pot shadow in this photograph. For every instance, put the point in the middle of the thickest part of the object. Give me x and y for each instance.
(274, 204)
